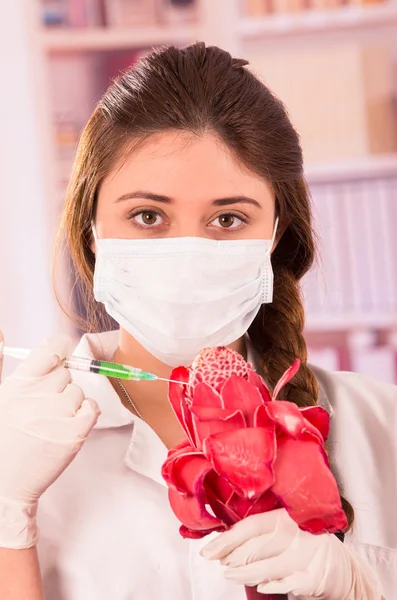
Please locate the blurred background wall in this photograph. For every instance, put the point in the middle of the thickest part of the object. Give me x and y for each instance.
(332, 62)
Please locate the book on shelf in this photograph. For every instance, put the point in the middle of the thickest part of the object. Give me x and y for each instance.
(254, 8)
(54, 13)
(325, 285)
(287, 6)
(178, 12)
(356, 273)
(260, 8)
(86, 13)
(72, 13)
(130, 13)
(118, 13)
(389, 195)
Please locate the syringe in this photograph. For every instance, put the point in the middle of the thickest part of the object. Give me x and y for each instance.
(101, 367)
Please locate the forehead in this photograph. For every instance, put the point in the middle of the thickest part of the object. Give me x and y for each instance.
(180, 164)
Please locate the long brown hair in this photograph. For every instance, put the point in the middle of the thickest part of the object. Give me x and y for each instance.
(203, 89)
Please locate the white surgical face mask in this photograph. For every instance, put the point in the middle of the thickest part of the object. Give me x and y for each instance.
(176, 296)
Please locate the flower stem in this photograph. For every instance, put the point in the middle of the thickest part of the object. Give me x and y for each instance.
(253, 594)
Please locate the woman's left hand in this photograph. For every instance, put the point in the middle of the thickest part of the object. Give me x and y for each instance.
(270, 551)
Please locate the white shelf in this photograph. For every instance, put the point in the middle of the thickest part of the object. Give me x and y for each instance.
(347, 21)
(102, 38)
(350, 321)
(369, 167)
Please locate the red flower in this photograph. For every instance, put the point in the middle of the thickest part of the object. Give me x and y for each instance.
(245, 451)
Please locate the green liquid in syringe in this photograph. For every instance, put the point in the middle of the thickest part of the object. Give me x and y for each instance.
(110, 369)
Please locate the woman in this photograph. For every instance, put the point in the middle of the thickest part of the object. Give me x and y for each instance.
(188, 175)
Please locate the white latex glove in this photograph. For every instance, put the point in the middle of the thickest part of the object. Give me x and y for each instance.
(44, 421)
(270, 551)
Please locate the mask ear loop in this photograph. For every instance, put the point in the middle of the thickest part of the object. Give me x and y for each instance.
(267, 268)
(273, 238)
(94, 233)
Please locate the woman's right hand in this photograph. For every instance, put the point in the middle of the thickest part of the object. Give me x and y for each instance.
(44, 421)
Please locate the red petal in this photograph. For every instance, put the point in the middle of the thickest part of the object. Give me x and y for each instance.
(239, 394)
(197, 535)
(185, 469)
(287, 415)
(312, 431)
(184, 445)
(318, 417)
(205, 395)
(245, 458)
(208, 421)
(328, 523)
(259, 383)
(222, 510)
(305, 485)
(218, 492)
(172, 468)
(188, 423)
(229, 506)
(261, 417)
(177, 397)
(187, 475)
(268, 501)
(288, 375)
(176, 392)
(191, 512)
(244, 507)
(180, 374)
(239, 505)
(218, 486)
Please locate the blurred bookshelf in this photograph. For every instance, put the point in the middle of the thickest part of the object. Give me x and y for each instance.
(350, 321)
(349, 134)
(380, 166)
(360, 21)
(105, 39)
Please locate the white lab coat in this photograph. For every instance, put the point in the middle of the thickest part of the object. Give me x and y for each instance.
(363, 450)
(107, 531)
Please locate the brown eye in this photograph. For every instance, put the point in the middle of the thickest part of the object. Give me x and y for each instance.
(149, 218)
(227, 220)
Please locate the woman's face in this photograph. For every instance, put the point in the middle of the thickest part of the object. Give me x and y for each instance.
(178, 184)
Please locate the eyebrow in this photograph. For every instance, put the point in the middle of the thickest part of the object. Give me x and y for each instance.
(167, 200)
